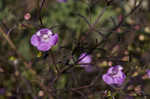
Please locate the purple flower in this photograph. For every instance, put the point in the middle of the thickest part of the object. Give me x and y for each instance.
(44, 39)
(62, 0)
(129, 97)
(114, 76)
(148, 73)
(2, 91)
(84, 61)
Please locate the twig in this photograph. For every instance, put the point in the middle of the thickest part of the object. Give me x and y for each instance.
(99, 16)
(8, 39)
(54, 61)
(40, 17)
(84, 18)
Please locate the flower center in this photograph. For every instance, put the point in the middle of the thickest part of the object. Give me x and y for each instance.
(44, 35)
(114, 73)
(45, 38)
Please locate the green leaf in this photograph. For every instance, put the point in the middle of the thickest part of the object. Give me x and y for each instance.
(24, 49)
(62, 82)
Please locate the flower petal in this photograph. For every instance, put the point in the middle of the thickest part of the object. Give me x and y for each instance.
(45, 31)
(35, 40)
(85, 58)
(43, 47)
(148, 73)
(53, 40)
(118, 80)
(107, 79)
(115, 68)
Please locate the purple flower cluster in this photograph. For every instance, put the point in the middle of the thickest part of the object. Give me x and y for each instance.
(85, 61)
(44, 39)
(114, 76)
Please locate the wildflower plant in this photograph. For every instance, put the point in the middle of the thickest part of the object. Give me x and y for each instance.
(69, 49)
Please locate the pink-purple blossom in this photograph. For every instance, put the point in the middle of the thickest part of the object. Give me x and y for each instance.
(44, 39)
(84, 61)
(114, 76)
(2, 91)
(148, 73)
(62, 0)
(27, 16)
